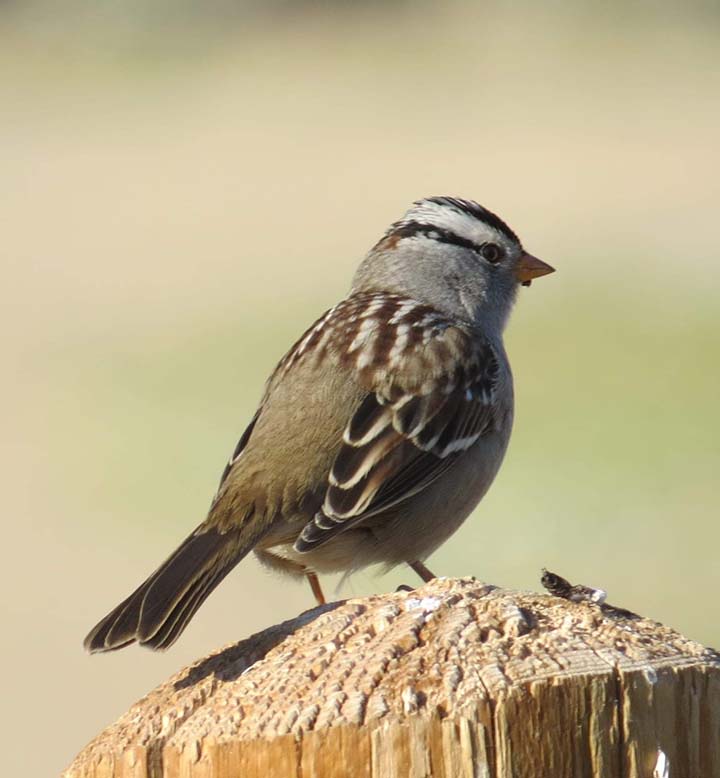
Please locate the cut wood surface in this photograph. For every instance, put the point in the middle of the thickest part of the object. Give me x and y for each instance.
(457, 679)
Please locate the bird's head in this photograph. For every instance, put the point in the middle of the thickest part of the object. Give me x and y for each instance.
(455, 255)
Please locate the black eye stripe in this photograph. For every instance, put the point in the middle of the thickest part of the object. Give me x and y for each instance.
(411, 229)
(431, 231)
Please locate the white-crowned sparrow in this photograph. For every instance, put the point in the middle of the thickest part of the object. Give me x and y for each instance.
(379, 431)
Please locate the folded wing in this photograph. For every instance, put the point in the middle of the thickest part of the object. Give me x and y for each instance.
(431, 394)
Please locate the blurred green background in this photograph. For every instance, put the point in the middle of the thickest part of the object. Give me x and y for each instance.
(186, 186)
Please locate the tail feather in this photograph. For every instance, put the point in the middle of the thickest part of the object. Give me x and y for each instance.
(174, 625)
(178, 578)
(157, 612)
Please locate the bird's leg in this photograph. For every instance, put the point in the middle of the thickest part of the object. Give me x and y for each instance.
(279, 563)
(316, 588)
(422, 571)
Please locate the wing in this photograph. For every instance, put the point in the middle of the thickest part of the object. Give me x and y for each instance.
(244, 438)
(432, 390)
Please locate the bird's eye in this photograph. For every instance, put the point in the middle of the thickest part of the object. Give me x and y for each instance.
(491, 252)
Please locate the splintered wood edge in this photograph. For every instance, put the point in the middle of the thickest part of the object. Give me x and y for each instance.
(435, 681)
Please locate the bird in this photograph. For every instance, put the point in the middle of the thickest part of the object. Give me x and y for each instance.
(378, 432)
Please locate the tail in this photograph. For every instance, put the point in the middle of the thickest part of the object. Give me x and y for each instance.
(158, 611)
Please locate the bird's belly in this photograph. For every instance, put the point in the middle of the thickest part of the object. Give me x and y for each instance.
(426, 521)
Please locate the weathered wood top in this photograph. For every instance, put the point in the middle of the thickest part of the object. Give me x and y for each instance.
(455, 678)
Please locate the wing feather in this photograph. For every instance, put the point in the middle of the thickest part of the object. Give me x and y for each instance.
(354, 463)
(414, 421)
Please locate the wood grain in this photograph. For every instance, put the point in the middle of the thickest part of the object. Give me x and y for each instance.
(455, 679)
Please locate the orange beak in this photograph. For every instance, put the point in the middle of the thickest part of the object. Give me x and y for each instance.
(531, 267)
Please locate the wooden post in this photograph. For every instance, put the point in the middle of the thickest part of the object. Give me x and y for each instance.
(456, 679)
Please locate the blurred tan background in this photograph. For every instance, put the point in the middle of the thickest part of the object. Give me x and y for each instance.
(183, 189)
